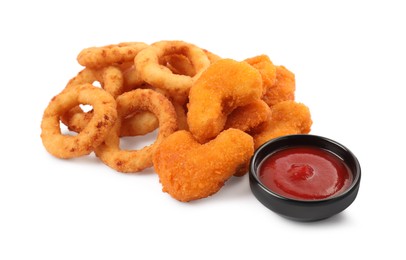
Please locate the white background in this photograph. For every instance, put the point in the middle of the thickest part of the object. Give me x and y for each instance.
(349, 60)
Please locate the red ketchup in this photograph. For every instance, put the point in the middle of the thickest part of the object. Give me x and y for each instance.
(305, 173)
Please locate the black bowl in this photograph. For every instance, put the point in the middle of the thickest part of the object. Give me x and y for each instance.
(304, 210)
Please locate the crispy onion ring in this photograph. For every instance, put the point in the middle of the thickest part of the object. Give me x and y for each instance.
(179, 64)
(104, 116)
(139, 123)
(111, 80)
(212, 57)
(150, 66)
(98, 57)
(136, 160)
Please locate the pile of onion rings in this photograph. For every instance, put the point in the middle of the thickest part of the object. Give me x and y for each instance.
(135, 88)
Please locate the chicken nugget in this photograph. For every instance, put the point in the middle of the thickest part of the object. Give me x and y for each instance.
(189, 170)
(287, 117)
(266, 68)
(224, 86)
(248, 117)
(283, 89)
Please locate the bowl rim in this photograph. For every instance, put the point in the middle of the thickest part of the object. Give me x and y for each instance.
(253, 170)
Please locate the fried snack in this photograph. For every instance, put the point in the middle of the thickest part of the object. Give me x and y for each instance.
(224, 86)
(111, 79)
(287, 117)
(212, 57)
(131, 79)
(181, 116)
(179, 64)
(98, 57)
(138, 123)
(229, 107)
(267, 70)
(150, 68)
(104, 116)
(188, 170)
(283, 89)
(248, 117)
(137, 160)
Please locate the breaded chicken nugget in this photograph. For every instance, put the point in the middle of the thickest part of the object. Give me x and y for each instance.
(287, 117)
(266, 68)
(224, 86)
(283, 89)
(248, 117)
(189, 170)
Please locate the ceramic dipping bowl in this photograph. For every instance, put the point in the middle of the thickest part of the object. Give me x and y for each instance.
(304, 209)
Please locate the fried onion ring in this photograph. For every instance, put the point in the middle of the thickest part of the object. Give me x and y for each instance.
(92, 135)
(137, 160)
(149, 65)
(179, 64)
(138, 123)
(212, 57)
(111, 80)
(98, 57)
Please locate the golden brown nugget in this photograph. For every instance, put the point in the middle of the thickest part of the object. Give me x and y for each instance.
(266, 68)
(287, 117)
(189, 170)
(283, 89)
(248, 117)
(224, 86)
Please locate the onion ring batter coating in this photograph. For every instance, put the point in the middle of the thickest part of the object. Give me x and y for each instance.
(131, 79)
(104, 116)
(111, 80)
(224, 86)
(139, 123)
(137, 160)
(179, 64)
(212, 57)
(189, 170)
(149, 65)
(98, 57)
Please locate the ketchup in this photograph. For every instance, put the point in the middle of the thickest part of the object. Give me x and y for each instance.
(305, 173)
